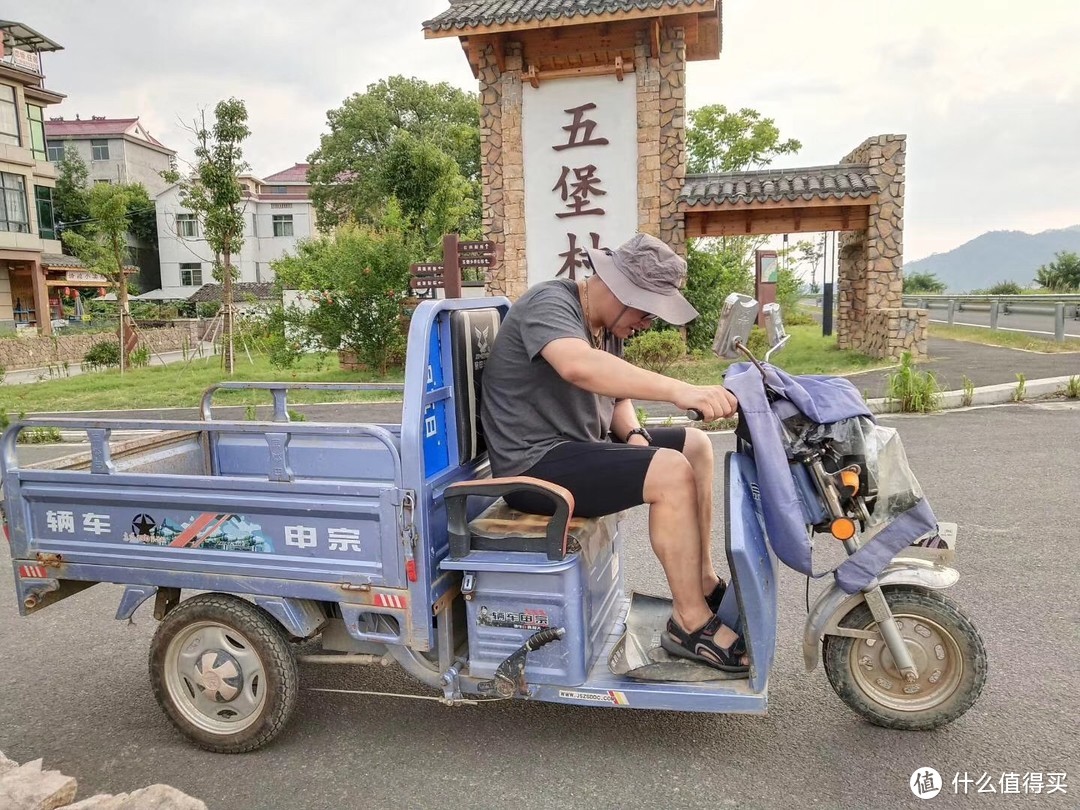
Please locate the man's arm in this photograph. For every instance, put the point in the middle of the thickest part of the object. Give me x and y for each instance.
(623, 420)
(607, 375)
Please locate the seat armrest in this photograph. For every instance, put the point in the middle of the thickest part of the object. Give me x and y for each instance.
(457, 521)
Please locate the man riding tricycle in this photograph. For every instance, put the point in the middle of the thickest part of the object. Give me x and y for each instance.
(476, 543)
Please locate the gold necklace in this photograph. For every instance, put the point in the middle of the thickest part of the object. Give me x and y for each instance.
(597, 336)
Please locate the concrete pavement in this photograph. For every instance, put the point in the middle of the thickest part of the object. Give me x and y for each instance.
(76, 690)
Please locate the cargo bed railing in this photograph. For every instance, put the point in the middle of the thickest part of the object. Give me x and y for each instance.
(98, 432)
(279, 392)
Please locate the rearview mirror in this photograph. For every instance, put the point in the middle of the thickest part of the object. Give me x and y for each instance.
(774, 328)
(737, 317)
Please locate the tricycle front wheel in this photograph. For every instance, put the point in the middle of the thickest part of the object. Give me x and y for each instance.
(944, 645)
(222, 671)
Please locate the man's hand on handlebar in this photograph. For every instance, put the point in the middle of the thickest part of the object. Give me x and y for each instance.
(711, 401)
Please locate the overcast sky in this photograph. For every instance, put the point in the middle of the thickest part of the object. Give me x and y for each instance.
(987, 91)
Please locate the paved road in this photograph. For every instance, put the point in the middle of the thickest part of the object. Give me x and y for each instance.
(1042, 325)
(75, 688)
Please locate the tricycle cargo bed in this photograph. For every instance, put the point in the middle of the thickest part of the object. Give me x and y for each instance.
(314, 502)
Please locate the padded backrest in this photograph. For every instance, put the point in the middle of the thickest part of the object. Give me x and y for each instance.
(472, 334)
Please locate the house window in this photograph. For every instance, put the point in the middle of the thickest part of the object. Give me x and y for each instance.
(55, 151)
(187, 227)
(279, 189)
(190, 274)
(37, 130)
(283, 225)
(13, 213)
(99, 150)
(9, 116)
(255, 226)
(45, 217)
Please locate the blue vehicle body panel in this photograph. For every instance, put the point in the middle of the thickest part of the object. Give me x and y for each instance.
(308, 518)
(753, 566)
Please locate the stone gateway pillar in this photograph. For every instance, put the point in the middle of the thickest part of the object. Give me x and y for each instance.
(582, 124)
(872, 319)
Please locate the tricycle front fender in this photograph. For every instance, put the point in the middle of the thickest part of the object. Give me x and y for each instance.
(834, 604)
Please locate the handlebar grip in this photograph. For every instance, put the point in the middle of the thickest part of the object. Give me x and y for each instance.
(695, 415)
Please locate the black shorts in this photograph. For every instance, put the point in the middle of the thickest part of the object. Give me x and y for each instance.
(603, 478)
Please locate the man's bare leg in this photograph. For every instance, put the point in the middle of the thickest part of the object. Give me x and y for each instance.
(671, 492)
(698, 450)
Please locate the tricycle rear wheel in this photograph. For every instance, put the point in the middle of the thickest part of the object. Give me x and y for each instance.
(945, 646)
(222, 671)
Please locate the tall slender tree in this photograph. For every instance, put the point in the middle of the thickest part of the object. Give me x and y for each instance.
(213, 193)
(102, 246)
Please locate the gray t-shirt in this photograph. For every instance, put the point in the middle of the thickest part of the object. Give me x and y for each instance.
(526, 407)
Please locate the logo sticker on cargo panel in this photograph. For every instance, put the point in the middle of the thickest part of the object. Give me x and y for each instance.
(527, 619)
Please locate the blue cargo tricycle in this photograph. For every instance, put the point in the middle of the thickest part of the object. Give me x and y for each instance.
(390, 544)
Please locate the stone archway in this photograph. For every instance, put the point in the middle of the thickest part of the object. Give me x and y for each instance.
(612, 74)
(862, 197)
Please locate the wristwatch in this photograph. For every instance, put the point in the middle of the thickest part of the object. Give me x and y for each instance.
(639, 431)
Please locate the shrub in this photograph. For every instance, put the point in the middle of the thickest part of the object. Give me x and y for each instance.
(715, 269)
(915, 391)
(356, 283)
(1021, 388)
(1005, 288)
(656, 350)
(102, 355)
(969, 391)
(140, 358)
(1072, 388)
(40, 435)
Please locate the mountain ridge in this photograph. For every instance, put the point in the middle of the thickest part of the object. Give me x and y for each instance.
(997, 256)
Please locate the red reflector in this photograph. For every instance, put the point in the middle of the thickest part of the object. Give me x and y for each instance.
(410, 570)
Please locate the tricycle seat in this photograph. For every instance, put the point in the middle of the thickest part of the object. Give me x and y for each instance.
(500, 527)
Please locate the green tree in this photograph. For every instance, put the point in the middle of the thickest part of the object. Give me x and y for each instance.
(714, 271)
(354, 283)
(1062, 274)
(381, 144)
(435, 199)
(71, 197)
(142, 218)
(102, 245)
(719, 140)
(214, 195)
(923, 283)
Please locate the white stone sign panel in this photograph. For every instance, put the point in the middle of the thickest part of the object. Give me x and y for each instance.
(579, 139)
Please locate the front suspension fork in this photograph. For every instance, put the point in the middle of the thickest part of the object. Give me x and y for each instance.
(882, 613)
(875, 598)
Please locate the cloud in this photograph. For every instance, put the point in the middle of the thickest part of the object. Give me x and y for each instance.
(987, 92)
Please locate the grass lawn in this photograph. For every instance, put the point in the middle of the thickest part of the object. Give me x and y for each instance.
(999, 337)
(182, 385)
(807, 352)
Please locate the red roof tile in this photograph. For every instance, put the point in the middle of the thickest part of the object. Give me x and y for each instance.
(116, 127)
(296, 174)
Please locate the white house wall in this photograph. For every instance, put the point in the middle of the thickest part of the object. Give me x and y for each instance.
(260, 247)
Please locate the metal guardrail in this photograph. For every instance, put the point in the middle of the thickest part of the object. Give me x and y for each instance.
(1057, 305)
